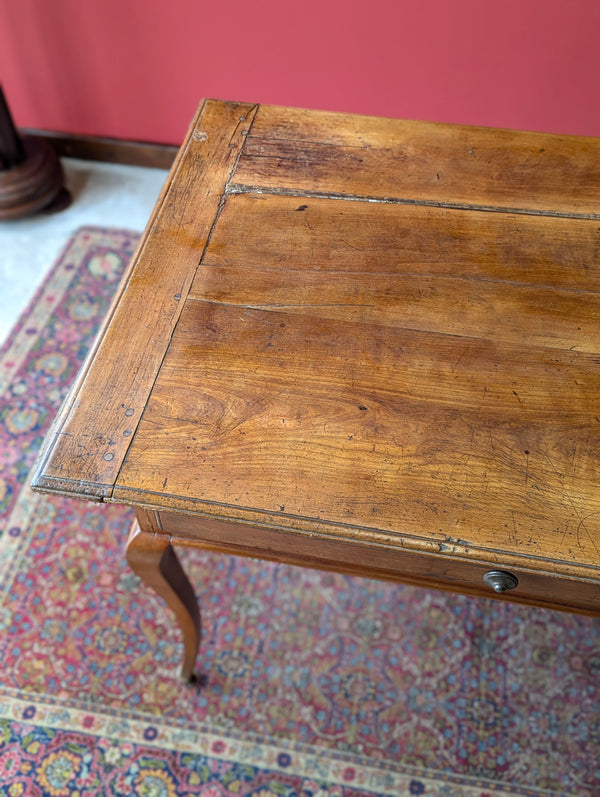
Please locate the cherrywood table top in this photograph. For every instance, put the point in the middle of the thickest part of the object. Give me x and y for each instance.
(361, 329)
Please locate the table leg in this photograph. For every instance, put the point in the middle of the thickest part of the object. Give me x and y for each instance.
(152, 558)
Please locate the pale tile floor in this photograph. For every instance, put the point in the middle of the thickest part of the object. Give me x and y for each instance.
(104, 194)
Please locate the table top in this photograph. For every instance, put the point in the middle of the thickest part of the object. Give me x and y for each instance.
(358, 327)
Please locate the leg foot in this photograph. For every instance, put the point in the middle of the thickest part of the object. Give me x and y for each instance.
(152, 558)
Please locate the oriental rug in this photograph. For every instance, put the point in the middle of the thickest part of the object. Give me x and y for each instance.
(314, 684)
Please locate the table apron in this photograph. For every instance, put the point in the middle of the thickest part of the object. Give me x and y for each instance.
(446, 572)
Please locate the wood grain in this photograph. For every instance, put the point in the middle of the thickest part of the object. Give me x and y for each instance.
(347, 424)
(421, 161)
(493, 276)
(96, 425)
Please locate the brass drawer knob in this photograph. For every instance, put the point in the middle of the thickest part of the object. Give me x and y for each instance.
(500, 580)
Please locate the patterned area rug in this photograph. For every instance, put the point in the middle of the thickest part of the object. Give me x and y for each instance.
(315, 684)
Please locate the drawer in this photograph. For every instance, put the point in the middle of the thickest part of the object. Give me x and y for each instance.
(439, 571)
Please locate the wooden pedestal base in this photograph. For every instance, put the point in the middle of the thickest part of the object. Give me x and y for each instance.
(33, 184)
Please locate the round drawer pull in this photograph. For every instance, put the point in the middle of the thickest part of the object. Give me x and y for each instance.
(500, 580)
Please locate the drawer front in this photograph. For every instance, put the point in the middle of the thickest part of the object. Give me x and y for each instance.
(437, 571)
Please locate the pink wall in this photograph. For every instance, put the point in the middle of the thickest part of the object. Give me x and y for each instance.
(137, 68)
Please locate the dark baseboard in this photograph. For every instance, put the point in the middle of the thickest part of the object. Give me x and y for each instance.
(109, 150)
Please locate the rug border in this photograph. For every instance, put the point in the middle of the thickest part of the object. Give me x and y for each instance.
(317, 763)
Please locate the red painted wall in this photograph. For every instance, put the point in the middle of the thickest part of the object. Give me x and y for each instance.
(137, 68)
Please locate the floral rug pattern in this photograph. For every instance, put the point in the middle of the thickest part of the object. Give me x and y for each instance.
(312, 683)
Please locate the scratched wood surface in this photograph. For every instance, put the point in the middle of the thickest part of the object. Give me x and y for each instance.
(421, 161)
(385, 335)
(86, 446)
(453, 407)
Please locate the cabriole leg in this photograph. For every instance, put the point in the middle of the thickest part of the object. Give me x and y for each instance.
(152, 558)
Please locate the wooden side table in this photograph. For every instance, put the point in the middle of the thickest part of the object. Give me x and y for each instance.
(358, 344)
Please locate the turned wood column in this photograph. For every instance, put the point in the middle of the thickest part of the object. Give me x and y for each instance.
(31, 177)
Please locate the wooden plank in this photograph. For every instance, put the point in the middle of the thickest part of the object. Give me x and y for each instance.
(495, 276)
(269, 231)
(421, 161)
(351, 425)
(95, 427)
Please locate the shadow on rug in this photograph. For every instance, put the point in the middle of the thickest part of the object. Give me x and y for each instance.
(316, 683)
